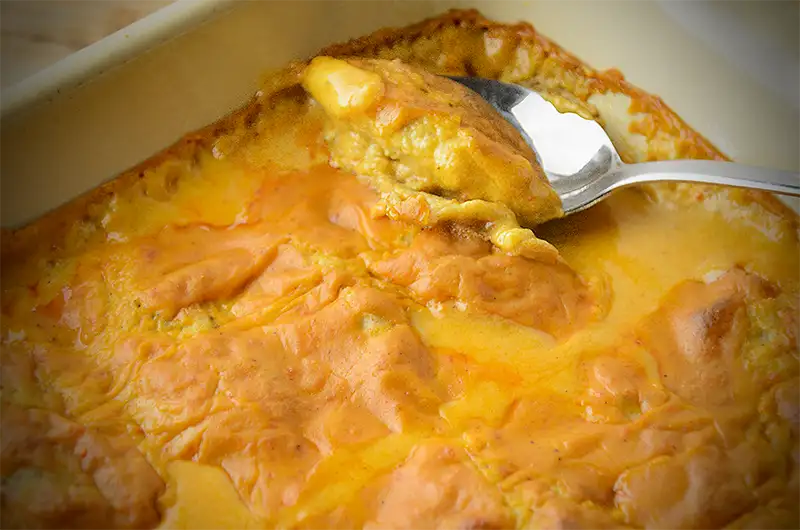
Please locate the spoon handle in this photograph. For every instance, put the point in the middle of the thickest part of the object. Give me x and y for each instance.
(711, 172)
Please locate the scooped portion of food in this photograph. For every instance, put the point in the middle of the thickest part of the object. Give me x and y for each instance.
(434, 149)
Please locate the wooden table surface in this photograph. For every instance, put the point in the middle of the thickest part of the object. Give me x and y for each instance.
(37, 33)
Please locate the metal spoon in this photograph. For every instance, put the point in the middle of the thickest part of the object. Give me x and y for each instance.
(582, 164)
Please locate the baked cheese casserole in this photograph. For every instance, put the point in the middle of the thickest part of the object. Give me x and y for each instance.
(355, 302)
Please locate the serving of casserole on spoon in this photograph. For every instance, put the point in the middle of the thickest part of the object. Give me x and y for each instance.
(582, 164)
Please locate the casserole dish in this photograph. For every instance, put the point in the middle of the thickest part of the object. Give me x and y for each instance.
(226, 55)
(298, 362)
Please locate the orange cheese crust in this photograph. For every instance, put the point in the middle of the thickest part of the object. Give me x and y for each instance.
(229, 336)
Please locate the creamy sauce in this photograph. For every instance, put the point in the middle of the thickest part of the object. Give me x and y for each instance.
(242, 342)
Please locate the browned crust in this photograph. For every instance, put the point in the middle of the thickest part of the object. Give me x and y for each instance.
(658, 117)
(602, 81)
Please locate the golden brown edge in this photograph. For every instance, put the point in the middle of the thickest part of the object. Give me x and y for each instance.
(694, 144)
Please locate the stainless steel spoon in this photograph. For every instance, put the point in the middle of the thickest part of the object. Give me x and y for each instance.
(584, 167)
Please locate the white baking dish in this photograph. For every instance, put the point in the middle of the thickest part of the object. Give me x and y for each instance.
(124, 98)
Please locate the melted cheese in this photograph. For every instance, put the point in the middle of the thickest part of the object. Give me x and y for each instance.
(237, 341)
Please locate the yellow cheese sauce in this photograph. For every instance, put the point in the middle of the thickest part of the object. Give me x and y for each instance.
(241, 339)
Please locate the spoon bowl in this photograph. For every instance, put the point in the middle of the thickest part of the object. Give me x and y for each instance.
(583, 166)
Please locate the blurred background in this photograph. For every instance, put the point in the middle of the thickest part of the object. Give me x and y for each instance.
(37, 33)
(759, 37)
